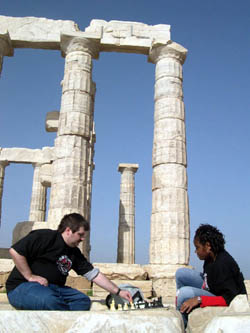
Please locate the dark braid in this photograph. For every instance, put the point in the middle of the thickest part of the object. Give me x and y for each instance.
(208, 233)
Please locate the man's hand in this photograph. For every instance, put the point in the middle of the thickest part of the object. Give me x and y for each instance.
(39, 279)
(188, 305)
(126, 294)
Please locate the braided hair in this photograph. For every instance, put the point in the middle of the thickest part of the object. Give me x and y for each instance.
(208, 233)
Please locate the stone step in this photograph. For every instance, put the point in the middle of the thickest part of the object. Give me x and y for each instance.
(158, 320)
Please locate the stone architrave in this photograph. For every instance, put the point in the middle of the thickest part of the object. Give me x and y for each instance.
(38, 197)
(69, 169)
(126, 230)
(169, 243)
(5, 47)
(3, 164)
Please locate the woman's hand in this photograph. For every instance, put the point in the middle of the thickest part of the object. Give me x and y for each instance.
(189, 304)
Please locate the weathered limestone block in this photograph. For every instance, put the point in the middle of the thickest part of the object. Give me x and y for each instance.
(26, 155)
(122, 271)
(169, 107)
(6, 265)
(36, 32)
(73, 101)
(131, 37)
(145, 286)
(51, 122)
(170, 129)
(45, 175)
(165, 321)
(163, 279)
(23, 228)
(170, 200)
(169, 151)
(169, 175)
(235, 318)
(79, 283)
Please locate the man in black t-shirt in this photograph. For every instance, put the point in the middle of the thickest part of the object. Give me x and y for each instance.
(43, 260)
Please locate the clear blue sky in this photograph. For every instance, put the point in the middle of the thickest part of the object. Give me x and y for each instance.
(216, 96)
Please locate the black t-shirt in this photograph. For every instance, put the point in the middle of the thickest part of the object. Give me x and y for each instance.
(224, 277)
(48, 256)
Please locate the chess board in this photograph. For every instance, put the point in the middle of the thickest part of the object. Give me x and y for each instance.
(140, 305)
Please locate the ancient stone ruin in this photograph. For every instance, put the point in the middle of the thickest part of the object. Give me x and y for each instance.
(68, 166)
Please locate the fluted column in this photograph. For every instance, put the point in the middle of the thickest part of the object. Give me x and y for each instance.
(38, 197)
(3, 164)
(169, 240)
(69, 170)
(126, 230)
(5, 47)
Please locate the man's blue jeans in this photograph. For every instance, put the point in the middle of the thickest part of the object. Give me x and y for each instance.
(188, 285)
(34, 296)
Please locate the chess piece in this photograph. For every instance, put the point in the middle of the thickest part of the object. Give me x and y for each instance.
(125, 308)
(112, 305)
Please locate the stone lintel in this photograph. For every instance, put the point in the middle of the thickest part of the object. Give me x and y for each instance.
(112, 36)
(128, 166)
(35, 32)
(128, 37)
(27, 156)
(52, 120)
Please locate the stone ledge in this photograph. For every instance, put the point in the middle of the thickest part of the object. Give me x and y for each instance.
(215, 318)
(168, 321)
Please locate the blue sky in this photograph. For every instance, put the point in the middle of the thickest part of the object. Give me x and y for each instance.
(216, 96)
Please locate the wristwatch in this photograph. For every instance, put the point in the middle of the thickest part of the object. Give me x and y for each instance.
(118, 292)
(199, 299)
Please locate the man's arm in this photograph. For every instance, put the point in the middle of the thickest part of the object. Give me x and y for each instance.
(23, 267)
(102, 281)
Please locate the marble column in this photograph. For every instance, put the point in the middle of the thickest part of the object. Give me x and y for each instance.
(126, 230)
(70, 167)
(3, 164)
(5, 47)
(38, 197)
(169, 239)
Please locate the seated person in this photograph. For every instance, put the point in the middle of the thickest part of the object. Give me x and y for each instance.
(220, 281)
(43, 260)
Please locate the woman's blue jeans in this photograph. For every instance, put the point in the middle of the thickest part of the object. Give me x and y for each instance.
(34, 296)
(188, 285)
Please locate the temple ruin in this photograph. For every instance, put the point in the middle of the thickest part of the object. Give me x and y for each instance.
(68, 166)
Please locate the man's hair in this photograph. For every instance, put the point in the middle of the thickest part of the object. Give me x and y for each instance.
(208, 233)
(74, 221)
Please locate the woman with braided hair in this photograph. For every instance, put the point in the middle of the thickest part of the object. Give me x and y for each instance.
(220, 281)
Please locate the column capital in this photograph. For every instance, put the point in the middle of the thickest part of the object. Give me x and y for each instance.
(128, 167)
(171, 50)
(6, 48)
(71, 43)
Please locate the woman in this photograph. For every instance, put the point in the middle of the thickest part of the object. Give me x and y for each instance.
(220, 281)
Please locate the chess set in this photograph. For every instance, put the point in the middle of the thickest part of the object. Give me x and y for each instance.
(155, 304)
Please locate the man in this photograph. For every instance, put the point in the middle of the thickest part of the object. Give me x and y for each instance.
(43, 260)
